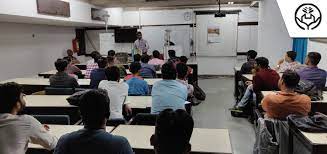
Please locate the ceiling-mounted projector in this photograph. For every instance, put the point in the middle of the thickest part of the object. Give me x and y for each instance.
(220, 15)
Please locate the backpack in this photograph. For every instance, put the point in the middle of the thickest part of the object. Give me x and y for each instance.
(308, 88)
(198, 92)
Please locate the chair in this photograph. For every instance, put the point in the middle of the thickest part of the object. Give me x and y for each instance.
(144, 119)
(59, 91)
(53, 119)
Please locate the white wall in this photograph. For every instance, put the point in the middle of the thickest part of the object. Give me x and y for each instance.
(273, 38)
(24, 55)
(322, 49)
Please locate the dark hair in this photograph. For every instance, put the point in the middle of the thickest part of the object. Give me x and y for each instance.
(94, 107)
(291, 79)
(113, 73)
(69, 51)
(314, 58)
(183, 59)
(61, 65)
(111, 53)
(145, 59)
(173, 131)
(9, 95)
(168, 71)
(291, 54)
(137, 58)
(102, 62)
(68, 59)
(181, 69)
(135, 67)
(171, 53)
(94, 54)
(137, 33)
(156, 54)
(252, 54)
(263, 62)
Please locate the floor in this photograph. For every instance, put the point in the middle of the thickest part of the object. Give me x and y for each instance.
(214, 113)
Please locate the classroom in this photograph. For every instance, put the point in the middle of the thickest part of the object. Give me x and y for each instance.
(163, 77)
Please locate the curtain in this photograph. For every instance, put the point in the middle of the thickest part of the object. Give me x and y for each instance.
(300, 45)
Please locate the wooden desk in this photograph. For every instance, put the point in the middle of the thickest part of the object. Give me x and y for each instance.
(60, 130)
(139, 102)
(314, 143)
(53, 72)
(203, 140)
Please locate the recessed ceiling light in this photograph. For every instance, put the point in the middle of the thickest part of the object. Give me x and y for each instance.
(230, 3)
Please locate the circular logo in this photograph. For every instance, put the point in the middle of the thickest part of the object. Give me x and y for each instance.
(308, 16)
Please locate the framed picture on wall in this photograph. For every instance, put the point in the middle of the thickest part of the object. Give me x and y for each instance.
(98, 14)
(53, 7)
(320, 40)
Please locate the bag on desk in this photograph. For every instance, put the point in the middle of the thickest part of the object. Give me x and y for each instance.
(308, 88)
(198, 92)
(314, 124)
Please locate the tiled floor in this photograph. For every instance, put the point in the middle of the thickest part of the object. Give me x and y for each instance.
(214, 113)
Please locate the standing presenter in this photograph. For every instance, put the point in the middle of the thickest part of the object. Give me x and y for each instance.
(141, 45)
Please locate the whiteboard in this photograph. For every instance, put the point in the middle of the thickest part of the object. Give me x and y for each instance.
(107, 42)
(227, 45)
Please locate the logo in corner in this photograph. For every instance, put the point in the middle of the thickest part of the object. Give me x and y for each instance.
(308, 16)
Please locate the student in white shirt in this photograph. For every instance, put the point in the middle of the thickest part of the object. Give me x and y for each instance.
(18, 130)
(117, 92)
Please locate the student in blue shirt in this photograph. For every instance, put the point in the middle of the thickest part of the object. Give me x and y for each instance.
(137, 86)
(147, 70)
(168, 93)
(97, 75)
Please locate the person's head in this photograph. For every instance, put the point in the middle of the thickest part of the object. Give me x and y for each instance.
(11, 98)
(171, 53)
(68, 59)
(183, 59)
(181, 69)
(95, 55)
(113, 73)
(139, 35)
(102, 62)
(168, 71)
(290, 56)
(70, 52)
(251, 54)
(145, 59)
(313, 59)
(61, 65)
(137, 58)
(135, 68)
(156, 54)
(290, 79)
(173, 132)
(112, 53)
(111, 61)
(262, 62)
(95, 109)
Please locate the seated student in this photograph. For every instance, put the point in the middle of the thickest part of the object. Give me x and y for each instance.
(311, 72)
(182, 69)
(147, 70)
(286, 102)
(249, 65)
(156, 60)
(99, 74)
(288, 63)
(70, 55)
(111, 62)
(173, 132)
(61, 78)
(168, 93)
(184, 59)
(137, 58)
(264, 79)
(137, 86)
(112, 53)
(172, 56)
(93, 138)
(117, 92)
(71, 68)
(92, 64)
(18, 130)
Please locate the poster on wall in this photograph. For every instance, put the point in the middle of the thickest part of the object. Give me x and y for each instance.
(98, 14)
(214, 33)
(53, 7)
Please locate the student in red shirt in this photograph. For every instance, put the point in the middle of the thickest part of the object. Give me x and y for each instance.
(264, 79)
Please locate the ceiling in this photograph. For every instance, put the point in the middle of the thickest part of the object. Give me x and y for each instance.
(161, 3)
